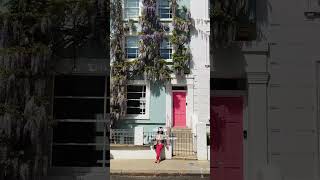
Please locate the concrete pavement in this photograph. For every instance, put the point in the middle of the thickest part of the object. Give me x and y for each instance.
(123, 177)
(166, 167)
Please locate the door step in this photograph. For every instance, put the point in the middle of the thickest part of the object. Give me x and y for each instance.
(181, 130)
(184, 157)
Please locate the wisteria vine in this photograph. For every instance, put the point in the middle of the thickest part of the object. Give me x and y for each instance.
(149, 64)
(180, 39)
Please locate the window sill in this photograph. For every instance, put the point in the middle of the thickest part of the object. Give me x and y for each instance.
(136, 117)
(168, 60)
(166, 19)
(131, 59)
(134, 19)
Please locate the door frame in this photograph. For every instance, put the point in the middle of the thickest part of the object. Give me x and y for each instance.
(173, 91)
(244, 94)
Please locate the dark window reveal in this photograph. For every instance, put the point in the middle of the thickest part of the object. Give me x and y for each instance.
(179, 87)
(228, 84)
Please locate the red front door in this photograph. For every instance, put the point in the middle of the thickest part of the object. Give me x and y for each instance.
(226, 155)
(179, 109)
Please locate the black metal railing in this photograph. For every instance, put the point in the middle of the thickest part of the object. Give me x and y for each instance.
(121, 136)
(149, 138)
(183, 144)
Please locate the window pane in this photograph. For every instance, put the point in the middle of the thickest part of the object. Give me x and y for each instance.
(78, 108)
(78, 132)
(132, 42)
(136, 99)
(166, 50)
(132, 3)
(135, 88)
(164, 3)
(132, 13)
(79, 86)
(132, 52)
(164, 9)
(166, 53)
(165, 13)
(131, 8)
(133, 103)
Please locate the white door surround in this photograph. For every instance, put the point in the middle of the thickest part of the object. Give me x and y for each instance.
(189, 100)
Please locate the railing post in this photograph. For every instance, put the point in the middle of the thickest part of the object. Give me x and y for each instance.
(195, 121)
(168, 150)
(121, 135)
(138, 136)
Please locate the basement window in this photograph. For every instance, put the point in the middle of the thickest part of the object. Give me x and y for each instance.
(80, 138)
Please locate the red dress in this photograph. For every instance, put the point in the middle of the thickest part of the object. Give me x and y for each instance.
(159, 146)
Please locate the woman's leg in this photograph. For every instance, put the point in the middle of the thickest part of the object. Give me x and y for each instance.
(159, 149)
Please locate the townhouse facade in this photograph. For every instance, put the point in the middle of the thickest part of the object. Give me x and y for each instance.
(264, 97)
(180, 104)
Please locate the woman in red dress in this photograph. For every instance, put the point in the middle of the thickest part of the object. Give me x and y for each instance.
(159, 144)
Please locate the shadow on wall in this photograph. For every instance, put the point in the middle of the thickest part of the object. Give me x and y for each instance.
(263, 10)
(156, 88)
(228, 63)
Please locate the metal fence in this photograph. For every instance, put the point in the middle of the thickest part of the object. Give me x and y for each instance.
(183, 144)
(149, 137)
(121, 136)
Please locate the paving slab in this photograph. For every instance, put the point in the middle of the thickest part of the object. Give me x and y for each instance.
(166, 167)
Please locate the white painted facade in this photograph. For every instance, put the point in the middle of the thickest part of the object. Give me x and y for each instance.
(201, 61)
(292, 94)
(201, 74)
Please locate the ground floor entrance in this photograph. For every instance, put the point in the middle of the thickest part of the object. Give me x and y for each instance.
(226, 138)
(179, 109)
(227, 128)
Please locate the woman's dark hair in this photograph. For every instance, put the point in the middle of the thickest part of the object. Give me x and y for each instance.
(160, 130)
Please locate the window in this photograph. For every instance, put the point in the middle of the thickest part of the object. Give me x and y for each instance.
(166, 50)
(132, 50)
(131, 9)
(247, 30)
(137, 100)
(79, 105)
(165, 9)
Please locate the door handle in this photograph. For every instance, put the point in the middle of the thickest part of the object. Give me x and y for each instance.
(245, 134)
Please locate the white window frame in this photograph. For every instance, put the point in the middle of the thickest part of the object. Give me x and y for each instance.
(170, 45)
(125, 7)
(126, 47)
(158, 11)
(147, 106)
